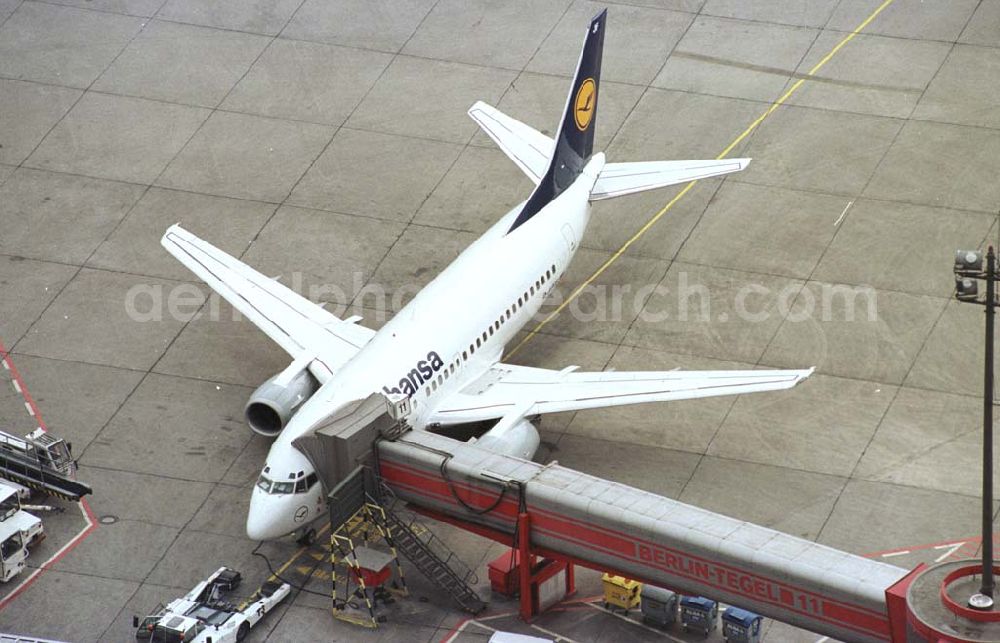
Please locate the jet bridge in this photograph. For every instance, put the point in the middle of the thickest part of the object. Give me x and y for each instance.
(570, 517)
(566, 515)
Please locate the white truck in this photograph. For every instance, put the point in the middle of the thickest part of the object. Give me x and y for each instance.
(204, 616)
(18, 531)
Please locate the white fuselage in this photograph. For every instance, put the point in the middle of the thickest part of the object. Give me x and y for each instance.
(451, 333)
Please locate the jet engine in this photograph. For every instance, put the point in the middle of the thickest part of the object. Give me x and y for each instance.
(519, 439)
(275, 401)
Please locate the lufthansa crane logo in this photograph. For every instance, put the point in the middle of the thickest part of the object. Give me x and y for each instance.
(583, 104)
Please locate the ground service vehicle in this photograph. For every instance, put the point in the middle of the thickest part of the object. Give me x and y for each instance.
(18, 531)
(203, 615)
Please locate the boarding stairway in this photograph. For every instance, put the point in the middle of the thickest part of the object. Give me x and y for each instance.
(41, 462)
(431, 555)
(363, 494)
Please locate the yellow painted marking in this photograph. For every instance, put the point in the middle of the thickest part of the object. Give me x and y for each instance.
(316, 573)
(687, 188)
(296, 555)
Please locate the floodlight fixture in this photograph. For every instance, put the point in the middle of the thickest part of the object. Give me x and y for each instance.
(968, 261)
(966, 289)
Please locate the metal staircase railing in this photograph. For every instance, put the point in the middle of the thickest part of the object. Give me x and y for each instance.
(435, 560)
(427, 552)
(362, 500)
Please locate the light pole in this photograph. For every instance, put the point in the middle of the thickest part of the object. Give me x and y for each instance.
(968, 270)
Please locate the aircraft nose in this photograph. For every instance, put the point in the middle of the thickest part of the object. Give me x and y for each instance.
(258, 529)
(264, 522)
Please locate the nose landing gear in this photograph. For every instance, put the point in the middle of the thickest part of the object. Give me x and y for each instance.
(305, 536)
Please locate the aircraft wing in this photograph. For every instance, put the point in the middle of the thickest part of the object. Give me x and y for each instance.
(619, 179)
(299, 326)
(529, 391)
(526, 146)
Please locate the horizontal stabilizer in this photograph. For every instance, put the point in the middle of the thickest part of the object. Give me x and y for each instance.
(619, 179)
(526, 146)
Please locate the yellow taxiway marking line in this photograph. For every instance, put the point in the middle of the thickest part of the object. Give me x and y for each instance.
(687, 188)
(297, 555)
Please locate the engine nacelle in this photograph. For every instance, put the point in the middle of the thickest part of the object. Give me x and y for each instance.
(520, 440)
(275, 401)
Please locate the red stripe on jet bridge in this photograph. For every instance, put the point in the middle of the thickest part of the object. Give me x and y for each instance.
(474, 496)
(648, 553)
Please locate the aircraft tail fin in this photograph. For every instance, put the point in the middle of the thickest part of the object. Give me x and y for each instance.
(574, 141)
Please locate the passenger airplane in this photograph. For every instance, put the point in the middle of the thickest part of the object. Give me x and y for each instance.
(443, 349)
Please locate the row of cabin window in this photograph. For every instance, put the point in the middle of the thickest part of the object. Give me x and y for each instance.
(521, 301)
(445, 374)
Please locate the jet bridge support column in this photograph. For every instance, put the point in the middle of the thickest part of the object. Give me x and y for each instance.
(532, 574)
(527, 562)
(612, 527)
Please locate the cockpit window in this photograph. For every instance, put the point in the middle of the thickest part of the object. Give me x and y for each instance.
(305, 484)
(270, 486)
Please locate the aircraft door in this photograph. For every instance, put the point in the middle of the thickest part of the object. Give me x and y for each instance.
(570, 237)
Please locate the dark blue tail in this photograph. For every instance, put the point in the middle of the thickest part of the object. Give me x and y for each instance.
(575, 138)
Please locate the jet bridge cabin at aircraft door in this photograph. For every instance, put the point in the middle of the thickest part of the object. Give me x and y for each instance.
(345, 441)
